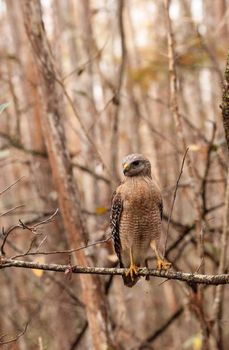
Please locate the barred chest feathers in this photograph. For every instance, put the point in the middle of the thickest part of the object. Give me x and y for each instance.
(139, 194)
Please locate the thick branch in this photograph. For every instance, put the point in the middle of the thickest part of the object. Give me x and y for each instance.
(180, 276)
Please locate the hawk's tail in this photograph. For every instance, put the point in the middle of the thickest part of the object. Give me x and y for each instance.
(130, 281)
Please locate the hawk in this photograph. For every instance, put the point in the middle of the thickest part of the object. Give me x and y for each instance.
(136, 216)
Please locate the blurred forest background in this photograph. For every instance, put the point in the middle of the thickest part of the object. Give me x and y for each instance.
(84, 83)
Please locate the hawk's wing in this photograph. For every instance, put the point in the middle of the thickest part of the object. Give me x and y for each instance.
(116, 211)
(157, 198)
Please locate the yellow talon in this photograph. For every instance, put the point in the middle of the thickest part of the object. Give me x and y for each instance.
(133, 270)
(163, 264)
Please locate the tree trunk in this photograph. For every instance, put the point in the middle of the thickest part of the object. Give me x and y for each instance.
(68, 192)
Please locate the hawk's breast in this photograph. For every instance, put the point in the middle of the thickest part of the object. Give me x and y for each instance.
(140, 220)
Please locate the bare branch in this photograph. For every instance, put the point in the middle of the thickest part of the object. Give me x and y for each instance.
(24, 226)
(14, 142)
(2, 342)
(69, 251)
(192, 278)
(5, 235)
(86, 133)
(10, 186)
(162, 328)
(207, 167)
(210, 53)
(173, 78)
(91, 172)
(225, 102)
(79, 70)
(116, 99)
(79, 336)
(43, 222)
(9, 211)
(174, 198)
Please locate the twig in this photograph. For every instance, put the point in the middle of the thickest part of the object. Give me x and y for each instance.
(207, 167)
(12, 209)
(24, 226)
(18, 145)
(70, 292)
(162, 136)
(69, 251)
(210, 54)
(52, 278)
(10, 186)
(194, 128)
(192, 278)
(91, 172)
(15, 338)
(79, 70)
(185, 229)
(201, 266)
(162, 328)
(174, 198)
(48, 220)
(85, 131)
(5, 235)
(41, 242)
(79, 336)
(30, 247)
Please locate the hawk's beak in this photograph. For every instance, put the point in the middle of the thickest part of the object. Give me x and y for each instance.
(126, 167)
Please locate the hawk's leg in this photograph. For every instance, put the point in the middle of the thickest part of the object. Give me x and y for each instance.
(162, 264)
(133, 269)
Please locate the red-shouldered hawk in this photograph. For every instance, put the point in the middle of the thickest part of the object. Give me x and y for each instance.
(136, 216)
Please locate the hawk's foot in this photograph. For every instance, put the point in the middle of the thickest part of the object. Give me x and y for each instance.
(133, 270)
(163, 264)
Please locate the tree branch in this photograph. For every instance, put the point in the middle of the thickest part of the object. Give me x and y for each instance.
(174, 198)
(181, 276)
(162, 328)
(116, 99)
(219, 300)
(177, 116)
(14, 339)
(225, 102)
(14, 142)
(9, 187)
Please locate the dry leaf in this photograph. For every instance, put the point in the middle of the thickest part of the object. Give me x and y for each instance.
(38, 272)
(197, 342)
(100, 210)
(194, 147)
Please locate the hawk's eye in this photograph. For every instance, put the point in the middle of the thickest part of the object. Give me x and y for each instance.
(136, 163)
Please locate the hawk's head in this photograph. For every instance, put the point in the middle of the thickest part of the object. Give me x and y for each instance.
(136, 165)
